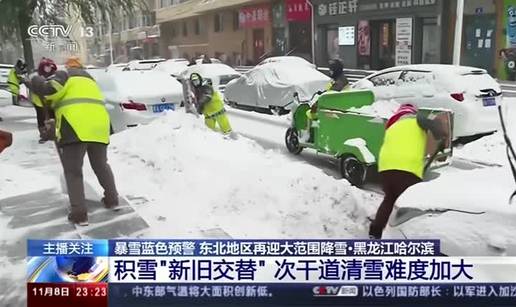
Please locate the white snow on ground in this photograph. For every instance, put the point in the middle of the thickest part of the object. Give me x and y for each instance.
(199, 180)
(25, 181)
(492, 148)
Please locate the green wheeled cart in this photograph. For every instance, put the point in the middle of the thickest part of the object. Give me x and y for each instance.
(352, 137)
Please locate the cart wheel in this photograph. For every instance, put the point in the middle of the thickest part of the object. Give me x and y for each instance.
(353, 170)
(292, 141)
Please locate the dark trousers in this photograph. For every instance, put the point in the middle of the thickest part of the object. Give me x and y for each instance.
(72, 158)
(394, 183)
(41, 116)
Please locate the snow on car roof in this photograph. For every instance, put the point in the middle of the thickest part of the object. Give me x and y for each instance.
(285, 59)
(285, 73)
(210, 70)
(172, 67)
(144, 82)
(440, 68)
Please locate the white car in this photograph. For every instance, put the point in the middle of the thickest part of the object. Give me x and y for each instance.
(471, 93)
(272, 86)
(218, 74)
(291, 60)
(470, 217)
(138, 96)
(172, 67)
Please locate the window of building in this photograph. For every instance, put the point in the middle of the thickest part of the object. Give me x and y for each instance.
(218, 22)
(185, 28)
(132, 22)
(173, 31)
(197, 29)
(236, 21)
(431, 46)
(165, 3)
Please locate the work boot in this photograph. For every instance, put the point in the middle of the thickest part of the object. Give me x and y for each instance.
(81, 222)
(113, 206)
(43, 135)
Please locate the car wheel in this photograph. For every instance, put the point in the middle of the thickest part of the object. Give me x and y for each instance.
(292, 141)
(353, 170)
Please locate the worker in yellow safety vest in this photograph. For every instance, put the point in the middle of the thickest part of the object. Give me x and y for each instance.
(338, 83)
(82, 126)
(15, 78)
(209, 103)
(46, 69)
(402, 158)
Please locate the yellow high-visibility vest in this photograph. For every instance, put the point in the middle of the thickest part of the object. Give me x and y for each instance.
(404, 148)
(36, 100)
(81, 103)
(13, 82)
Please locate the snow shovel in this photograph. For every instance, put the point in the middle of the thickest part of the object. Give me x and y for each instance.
(440, 147)
(511, 155)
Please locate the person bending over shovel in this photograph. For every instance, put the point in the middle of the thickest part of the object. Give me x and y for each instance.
(209, 103)
(401, 160)
(82, 127)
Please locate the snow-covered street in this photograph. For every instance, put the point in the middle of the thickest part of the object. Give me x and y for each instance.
(183, 180)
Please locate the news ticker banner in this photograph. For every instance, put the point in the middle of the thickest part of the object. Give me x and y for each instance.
(160, 272)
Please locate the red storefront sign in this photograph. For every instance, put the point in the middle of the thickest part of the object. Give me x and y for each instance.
(255, 16)
(298, 10)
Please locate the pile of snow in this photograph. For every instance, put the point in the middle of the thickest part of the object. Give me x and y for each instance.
(489, 149)
(380, 108)
(197, 179)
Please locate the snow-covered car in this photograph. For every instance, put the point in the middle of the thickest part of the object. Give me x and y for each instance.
(471, 218)
(471, 93)
(291, 60)
(218, 74)
(138, 96)
(172, 67)
(272, 86)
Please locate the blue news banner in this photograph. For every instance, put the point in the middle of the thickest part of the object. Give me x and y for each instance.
(272, 272)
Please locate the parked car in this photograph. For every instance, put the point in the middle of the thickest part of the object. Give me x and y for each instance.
(474, 218)
(471, 93)
(272, 86)
(138, 96)
(218, 74)
(291, 60)
(172, 67)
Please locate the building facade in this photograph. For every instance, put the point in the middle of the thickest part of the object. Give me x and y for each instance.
(239, 32)
(371, 34)
(489, 37)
